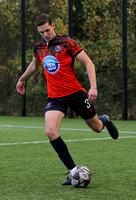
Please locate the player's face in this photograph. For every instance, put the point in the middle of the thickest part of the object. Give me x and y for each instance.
(47, 31)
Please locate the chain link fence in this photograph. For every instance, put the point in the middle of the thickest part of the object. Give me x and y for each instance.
(96, 27)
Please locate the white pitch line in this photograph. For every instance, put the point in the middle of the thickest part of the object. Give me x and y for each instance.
(75, 140)
(12, 126)
(65, 129)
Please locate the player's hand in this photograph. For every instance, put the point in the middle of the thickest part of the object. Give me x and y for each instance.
(21, 87)
(92, 95)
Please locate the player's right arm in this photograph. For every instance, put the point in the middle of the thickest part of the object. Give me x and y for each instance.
(32, 68)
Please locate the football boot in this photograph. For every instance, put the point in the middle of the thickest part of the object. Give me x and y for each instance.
(67, 181)
(113, 131)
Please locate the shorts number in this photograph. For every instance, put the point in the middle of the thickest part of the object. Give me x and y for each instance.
(88, 104)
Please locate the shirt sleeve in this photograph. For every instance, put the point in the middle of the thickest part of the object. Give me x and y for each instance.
(73, 47)
(35, 52)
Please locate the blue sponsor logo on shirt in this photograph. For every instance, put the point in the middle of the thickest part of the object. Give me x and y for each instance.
(51, 64)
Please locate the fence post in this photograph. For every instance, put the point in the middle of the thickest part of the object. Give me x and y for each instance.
(23, 61)
(70, 17)
(124, 59)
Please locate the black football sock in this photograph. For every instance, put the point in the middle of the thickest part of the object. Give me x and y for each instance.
(63, 153)
(104, 120)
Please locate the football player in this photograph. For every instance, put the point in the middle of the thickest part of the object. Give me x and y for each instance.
(57, 53)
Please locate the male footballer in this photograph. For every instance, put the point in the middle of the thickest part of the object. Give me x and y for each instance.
(57, 53)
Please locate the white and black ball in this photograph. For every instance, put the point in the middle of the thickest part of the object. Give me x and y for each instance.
(80, 176)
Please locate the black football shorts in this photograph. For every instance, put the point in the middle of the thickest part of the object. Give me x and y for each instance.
(78, 102)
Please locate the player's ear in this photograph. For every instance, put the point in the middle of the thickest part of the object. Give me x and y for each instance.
(53, 26)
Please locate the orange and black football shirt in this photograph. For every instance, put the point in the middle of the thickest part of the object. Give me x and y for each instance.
(58, 58)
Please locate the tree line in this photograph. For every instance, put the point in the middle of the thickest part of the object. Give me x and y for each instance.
(96, 27)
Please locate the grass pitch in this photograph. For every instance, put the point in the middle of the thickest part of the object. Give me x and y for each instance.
(31, 170)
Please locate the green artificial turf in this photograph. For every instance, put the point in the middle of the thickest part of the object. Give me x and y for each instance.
(31, 170)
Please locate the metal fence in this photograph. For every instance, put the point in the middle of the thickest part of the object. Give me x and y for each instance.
(18, 35)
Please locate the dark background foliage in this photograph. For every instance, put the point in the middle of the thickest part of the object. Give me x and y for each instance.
(96, 27)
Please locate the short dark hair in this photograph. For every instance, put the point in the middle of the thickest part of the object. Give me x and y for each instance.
(42, 19)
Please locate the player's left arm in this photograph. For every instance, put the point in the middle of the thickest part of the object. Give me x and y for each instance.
(86, 61)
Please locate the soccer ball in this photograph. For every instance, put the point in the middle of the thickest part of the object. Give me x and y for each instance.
(80, 176)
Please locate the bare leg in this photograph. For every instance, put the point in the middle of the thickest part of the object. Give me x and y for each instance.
(52, 122)
(95, 124)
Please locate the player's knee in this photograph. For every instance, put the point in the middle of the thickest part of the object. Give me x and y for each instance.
(51, 133)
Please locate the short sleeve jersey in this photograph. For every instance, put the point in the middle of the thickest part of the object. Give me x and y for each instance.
(58, 58)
